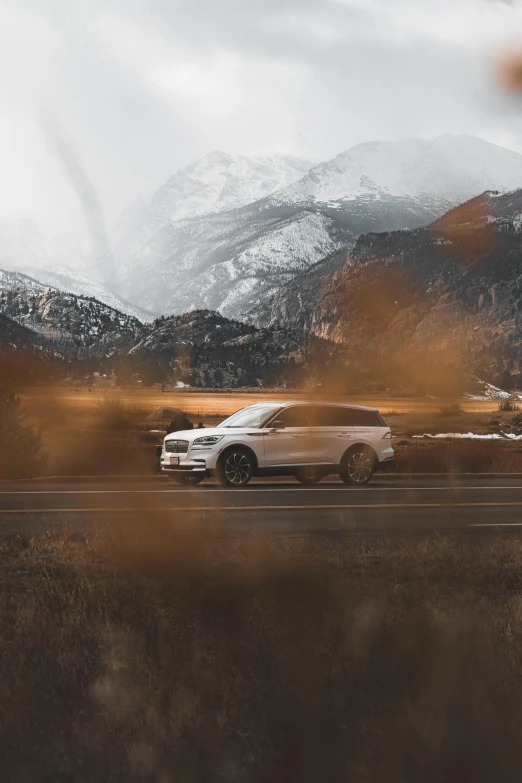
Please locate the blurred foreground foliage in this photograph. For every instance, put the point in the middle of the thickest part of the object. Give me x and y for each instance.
(154, 651)
(20, 444)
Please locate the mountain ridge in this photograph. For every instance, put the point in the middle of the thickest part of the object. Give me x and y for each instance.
(449, 292)
(235, 260)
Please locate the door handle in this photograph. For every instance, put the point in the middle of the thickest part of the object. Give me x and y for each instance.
(298, 436)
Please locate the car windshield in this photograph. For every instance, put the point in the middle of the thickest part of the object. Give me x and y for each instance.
(253, 416)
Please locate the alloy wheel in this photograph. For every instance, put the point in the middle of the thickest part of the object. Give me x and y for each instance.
(237, 468)
(359, 467)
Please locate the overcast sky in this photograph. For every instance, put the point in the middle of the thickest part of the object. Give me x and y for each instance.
(142, 87)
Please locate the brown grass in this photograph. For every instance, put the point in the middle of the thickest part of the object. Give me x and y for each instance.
(160, 654)
(222, 403)
(106, 432)
(458, 456)
(455, 455)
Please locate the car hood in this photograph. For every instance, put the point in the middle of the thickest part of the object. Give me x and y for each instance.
(191, 435)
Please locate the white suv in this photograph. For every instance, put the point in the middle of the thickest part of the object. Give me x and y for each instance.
(305, 440)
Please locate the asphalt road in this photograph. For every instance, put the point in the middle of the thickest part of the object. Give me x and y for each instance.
(269, 506)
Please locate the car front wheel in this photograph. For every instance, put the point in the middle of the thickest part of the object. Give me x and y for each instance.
(235, 468)
(358, 467)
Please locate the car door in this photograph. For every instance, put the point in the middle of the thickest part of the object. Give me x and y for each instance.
(360, 423)
(328, 435)
(287, 444)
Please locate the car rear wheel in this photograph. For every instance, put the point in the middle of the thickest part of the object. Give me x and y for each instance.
(235, 468)
(308, 476)
(358, 467)
(186, 481)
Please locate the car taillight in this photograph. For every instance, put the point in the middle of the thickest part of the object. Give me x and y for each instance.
(387, 435)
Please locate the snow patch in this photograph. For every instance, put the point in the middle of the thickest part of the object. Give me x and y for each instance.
(471, 436)
(489, 392)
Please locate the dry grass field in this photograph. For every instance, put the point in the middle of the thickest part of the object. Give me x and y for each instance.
(216, 403)
(144, 650)
(106, 430)
(159, 654)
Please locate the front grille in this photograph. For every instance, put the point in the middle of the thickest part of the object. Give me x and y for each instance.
(176, 446)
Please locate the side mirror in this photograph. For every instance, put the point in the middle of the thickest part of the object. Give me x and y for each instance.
(277, 425)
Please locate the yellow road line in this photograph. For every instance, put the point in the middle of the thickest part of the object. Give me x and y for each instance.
(255, 508)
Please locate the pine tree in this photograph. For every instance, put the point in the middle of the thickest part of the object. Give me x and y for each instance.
(506, 381)
(20, 444)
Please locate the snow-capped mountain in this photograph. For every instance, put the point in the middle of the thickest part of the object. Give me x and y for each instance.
(232, 260)
(223, 261)
(10, 280)
(219, 182)
(437, 174)
(226, 232)
(215, 183)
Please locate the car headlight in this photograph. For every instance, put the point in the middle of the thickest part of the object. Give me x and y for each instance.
(208, 440)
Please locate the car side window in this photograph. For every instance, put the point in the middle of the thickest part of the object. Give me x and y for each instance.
(351, 417)
(328, 416)
(337, 416)
(295, 417)
(324, 416)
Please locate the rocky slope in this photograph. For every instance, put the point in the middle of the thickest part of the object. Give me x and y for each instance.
(297, 304)
(203, 348)
(25, 252)
(75, 323)
(200, 348)
(448, 293)
(213, 184)
(74, 282)
(235, 260)
(14, 334)
(228, 261)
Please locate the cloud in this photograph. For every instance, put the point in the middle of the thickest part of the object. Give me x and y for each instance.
(144, 87)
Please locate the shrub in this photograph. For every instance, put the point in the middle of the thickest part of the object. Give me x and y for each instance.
(459, 456)
(516, 421)
(451, 410)
(508, 406)
(20, 444)
(180, 422)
